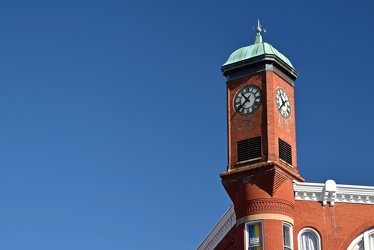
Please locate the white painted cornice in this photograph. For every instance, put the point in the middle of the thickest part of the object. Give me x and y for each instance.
(223, 226)
(330, 192)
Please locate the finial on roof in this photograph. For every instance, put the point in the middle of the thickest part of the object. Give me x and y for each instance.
(258, 31)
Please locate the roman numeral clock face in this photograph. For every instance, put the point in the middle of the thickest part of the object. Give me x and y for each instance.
(248, 99)
(283, 103)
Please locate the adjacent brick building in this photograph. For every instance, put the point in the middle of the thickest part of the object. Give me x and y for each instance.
(273, 207)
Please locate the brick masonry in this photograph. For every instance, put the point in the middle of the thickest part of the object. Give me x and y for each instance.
(266, 121)
(337, 226)
(263, 188)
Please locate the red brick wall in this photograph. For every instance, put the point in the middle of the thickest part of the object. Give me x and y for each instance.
(265, 122)
(338, 226)
(273, 234)
(244, 127)
(278, 126)
(269, 190)
(235, 239)
(265, 186)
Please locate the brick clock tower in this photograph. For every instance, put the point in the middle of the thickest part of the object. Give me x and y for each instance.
(262, 161)
(272, 206)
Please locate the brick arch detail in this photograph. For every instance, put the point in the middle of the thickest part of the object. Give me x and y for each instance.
(356, 232)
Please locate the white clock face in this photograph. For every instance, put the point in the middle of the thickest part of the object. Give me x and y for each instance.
(283, 102)
(248, 99)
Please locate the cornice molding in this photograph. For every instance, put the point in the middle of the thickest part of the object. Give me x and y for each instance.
(258, 64)
(223, 226)
(245, 174)
(330, 192)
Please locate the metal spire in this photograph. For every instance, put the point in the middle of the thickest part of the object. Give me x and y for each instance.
(258, 31)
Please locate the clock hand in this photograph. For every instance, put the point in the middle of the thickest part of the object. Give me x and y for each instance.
(241, 106)
(246, 99)
(283, 102)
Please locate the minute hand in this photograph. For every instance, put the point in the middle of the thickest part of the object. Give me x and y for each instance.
(246, 100)
(282, 105)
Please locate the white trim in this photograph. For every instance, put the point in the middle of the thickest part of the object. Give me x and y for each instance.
(289, 225)
(355, 242)
(365, 237)
(223, 226)
(310, 230)
(247, 240)
(265, 217)
(330, 192)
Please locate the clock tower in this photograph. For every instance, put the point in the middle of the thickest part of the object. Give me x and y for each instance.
(261, 144)
(272, 207)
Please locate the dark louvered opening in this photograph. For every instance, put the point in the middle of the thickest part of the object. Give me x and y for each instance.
(285, 152)
(249, 149)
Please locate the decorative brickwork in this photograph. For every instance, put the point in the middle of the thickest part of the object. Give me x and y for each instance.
(266, 206)
(268, 177)
(269, 181)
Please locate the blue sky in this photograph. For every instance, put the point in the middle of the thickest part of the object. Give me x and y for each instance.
(113, 116)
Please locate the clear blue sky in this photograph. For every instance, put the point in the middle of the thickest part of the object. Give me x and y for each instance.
(113, 116)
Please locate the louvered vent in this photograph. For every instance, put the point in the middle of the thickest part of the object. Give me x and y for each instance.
(285, 152)
(249, 149)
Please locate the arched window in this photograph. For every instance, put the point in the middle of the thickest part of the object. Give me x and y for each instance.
(309, 239)
(364, 241)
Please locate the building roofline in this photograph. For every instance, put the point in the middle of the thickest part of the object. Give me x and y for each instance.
(219, 231)
(330, 192)
(326, 193)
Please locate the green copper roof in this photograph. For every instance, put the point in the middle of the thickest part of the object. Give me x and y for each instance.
(256, 49)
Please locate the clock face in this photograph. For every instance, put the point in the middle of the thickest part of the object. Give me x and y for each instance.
(248, 99)
(283, 102)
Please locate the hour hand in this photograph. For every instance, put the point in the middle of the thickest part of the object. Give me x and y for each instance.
(246, 98)
(241, 106)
